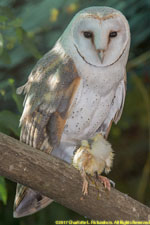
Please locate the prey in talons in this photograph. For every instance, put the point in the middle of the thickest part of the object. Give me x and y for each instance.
(94, 157)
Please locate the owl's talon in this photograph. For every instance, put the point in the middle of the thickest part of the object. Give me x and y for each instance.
(105, 181)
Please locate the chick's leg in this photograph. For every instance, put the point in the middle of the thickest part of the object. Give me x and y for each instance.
(81, 161)
(85, 183)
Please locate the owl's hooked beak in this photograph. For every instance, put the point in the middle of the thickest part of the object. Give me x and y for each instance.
(101, 55)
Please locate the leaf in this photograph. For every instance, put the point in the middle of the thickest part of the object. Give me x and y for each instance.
(3, 190)
(3, 19)
(54, 15)
(72, 8)
(28, 43)
(11, 81)
(19, 33)
(5, 57)
(17, 99)
(9, 122)
(1, 44)
(15, 23)
(11, 41)
(30, 46)
(6, 11)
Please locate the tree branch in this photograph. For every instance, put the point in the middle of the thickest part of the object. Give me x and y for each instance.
(61, 182)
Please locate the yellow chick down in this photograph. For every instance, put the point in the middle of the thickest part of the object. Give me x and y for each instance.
(94, 156)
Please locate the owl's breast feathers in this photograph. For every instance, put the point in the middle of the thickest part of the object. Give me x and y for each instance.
(55, 97)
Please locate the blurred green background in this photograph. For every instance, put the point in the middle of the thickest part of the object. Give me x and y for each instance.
(28, 29)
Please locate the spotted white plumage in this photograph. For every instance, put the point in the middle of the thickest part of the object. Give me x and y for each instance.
(75, 91)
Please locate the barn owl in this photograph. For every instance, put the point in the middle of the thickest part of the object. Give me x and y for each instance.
(73, 95)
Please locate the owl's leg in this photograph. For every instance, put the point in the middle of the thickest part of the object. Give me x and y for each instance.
(94, 157)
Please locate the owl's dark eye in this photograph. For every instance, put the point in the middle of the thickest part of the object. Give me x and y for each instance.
(113, 34)
(88, 34)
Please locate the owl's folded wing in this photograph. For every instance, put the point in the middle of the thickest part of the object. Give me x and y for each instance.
(49, 93)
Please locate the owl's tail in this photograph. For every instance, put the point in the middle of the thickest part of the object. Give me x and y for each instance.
(28, 201)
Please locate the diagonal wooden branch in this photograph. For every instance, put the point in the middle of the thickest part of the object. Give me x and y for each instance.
(61, 182)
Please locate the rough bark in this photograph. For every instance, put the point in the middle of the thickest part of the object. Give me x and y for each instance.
(61, 182)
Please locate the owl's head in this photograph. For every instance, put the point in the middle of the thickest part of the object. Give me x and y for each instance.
(100, 35)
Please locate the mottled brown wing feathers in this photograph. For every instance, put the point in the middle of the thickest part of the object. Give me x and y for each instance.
(33, 130)
(47, 102)
(49, 93)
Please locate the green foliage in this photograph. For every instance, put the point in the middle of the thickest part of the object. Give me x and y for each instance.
(28, 29)
(3, 190)
(12, 34)
(9, 122)
(1, 44)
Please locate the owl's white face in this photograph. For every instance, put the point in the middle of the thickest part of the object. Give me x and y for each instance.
(100, 38)
(100, 42)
